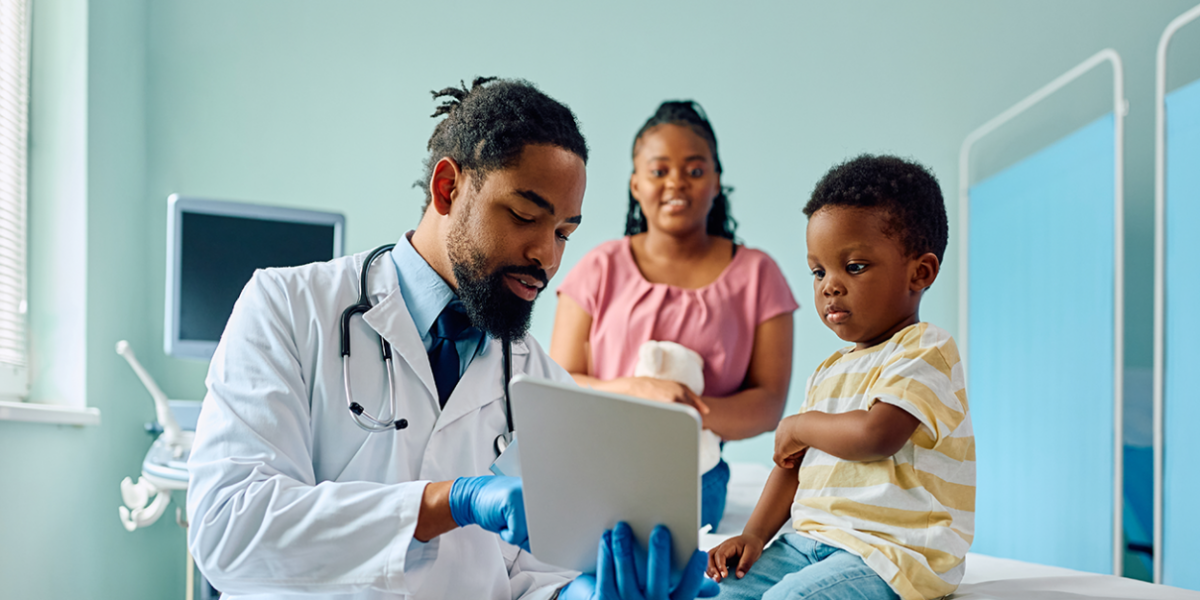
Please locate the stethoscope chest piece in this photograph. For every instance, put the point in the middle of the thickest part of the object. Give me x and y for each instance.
(502, 442)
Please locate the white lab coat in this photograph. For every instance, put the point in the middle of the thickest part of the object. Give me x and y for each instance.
(288, 496)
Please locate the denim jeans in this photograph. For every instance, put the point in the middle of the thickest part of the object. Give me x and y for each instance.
(798, 567)
(713, 487)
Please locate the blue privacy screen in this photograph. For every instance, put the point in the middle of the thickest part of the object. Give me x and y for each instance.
(1181, 470)
(1041, 340)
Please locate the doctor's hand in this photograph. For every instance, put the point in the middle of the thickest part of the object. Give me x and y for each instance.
(496, 504)
(625, 572)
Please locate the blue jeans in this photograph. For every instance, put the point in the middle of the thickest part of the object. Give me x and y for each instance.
(798, 567)
(713, 487)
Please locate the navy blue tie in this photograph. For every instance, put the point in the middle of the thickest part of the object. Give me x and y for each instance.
(452, 325)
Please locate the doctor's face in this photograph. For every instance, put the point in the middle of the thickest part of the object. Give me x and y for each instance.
(507, 239)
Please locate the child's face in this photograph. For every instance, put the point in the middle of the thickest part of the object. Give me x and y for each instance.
(865, 286)
(674, 179)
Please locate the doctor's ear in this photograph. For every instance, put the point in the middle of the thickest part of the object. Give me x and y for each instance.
(447, 178)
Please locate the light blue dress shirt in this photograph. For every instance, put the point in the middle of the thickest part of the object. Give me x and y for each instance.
(426, 294)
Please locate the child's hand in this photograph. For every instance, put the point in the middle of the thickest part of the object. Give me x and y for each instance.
(747, 547)
(792, 462)
(789, 449)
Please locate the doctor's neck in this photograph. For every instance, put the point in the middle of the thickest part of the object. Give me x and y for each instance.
(430, 242)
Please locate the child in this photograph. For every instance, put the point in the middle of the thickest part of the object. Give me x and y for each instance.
(877, 471)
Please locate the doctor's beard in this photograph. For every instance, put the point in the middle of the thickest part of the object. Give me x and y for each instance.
(490, 305)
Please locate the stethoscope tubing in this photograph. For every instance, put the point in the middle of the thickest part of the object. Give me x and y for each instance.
(358, 414)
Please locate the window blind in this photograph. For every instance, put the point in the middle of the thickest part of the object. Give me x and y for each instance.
(14, 103)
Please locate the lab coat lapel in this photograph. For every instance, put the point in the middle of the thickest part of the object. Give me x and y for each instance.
(483, 382)
(390, 318)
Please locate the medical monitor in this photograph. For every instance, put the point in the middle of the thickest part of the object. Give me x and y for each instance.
(214, 247)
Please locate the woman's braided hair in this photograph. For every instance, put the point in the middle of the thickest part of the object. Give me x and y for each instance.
(687, 113)
(488, 126)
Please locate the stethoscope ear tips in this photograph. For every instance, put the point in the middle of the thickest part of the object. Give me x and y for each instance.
(401, 424)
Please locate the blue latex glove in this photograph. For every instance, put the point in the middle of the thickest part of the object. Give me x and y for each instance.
(623, 572)
(496, 504)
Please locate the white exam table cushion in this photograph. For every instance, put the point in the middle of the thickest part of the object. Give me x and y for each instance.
(986, 578)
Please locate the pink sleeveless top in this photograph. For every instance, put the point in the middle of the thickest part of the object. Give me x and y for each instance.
(718, 320)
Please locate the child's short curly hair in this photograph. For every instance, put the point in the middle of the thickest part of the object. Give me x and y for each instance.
(905, 190)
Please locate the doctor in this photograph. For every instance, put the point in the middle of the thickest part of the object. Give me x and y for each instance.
(289, 495)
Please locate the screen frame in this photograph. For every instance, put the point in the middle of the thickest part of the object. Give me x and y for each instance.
(1119, 111)
(176, 206)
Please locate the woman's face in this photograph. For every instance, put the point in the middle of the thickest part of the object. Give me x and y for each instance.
(674, 179)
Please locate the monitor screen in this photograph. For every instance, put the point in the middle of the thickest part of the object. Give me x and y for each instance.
(215, 248)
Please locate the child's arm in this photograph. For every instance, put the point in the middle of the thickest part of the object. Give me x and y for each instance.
(774, 506)
(772, 511)
(860, 435)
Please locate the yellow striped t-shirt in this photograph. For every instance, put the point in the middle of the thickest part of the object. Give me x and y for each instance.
(911, 517)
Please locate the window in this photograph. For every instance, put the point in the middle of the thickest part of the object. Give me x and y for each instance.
(14, 102)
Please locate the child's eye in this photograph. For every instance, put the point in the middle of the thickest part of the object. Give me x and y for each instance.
(819, 274)
(855, 268)
(697, 172)
(658, 172)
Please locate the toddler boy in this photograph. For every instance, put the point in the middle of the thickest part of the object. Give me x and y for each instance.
(877, 471)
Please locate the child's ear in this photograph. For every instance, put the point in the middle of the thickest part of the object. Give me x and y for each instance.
(925, 271)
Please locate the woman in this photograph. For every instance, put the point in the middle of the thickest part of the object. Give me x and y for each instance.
(678, 275)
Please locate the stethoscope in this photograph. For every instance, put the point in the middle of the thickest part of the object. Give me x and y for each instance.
(389, 422)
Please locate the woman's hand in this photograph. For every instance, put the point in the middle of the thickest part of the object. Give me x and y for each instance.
(789, 448)
(747, 547)
(660, 390)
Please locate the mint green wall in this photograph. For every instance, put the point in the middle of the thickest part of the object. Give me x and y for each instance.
(325, 105)
(319, 105)
(59, 492)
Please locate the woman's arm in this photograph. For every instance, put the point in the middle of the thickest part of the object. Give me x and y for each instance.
(569, 348)
(757, 407)
(753, 410)
(569, 341)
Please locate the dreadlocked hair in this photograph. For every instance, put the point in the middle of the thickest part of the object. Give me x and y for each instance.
(487, 126)
(686, 113)
(905, 192)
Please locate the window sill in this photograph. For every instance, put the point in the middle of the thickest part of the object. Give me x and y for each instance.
(47, 413)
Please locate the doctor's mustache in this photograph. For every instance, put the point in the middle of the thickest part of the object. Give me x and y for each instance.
(532, 271)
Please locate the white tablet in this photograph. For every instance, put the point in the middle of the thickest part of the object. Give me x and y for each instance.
(589, 459)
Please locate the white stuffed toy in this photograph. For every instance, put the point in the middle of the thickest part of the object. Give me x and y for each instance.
(675, 362)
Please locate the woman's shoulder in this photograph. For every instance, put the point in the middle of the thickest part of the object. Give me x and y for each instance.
(605, 255)
(597, 265)
(754, 260)
(611, 248)
(759, 272)
(755, 255)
